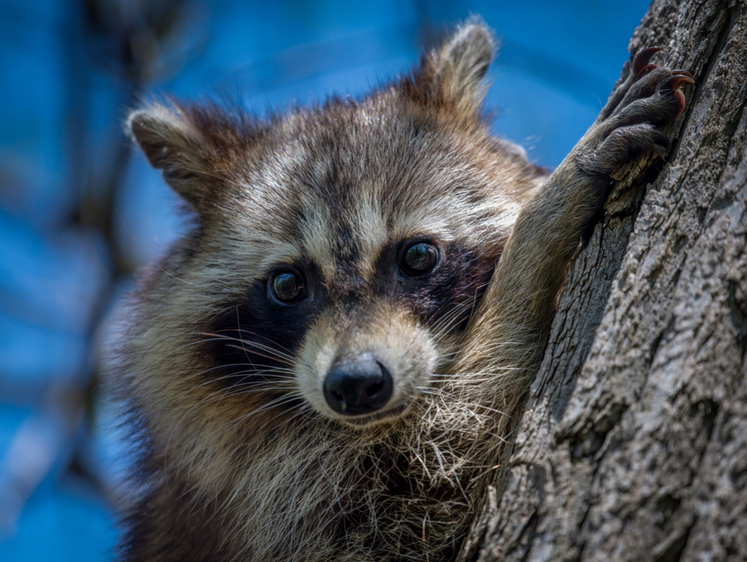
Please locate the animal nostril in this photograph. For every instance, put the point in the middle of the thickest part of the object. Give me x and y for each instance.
(358, 386)
(374, 389)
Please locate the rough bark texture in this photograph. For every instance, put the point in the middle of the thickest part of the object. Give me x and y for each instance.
(633, 444)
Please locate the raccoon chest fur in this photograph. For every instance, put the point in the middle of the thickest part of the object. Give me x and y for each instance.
(324, 367)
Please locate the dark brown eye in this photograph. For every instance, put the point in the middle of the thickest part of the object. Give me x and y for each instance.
(287, 287)
(419, 258)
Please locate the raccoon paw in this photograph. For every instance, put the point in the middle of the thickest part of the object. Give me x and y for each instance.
(628, 124)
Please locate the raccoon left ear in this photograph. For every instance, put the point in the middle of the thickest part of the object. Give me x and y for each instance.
(455, 71)
(173, 142)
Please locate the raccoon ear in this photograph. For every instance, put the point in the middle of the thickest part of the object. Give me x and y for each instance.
(454, 72)
(174, 145)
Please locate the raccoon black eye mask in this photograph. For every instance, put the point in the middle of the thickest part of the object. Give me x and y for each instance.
(437, 286)
(323, 368)
(360, 385)
(287, 284)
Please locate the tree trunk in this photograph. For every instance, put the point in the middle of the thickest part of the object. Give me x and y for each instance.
(633, 444)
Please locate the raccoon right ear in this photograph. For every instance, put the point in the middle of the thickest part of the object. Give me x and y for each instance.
(453, 74)
(173, 144)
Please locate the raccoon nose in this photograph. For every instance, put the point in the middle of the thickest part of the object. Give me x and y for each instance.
(358, 386)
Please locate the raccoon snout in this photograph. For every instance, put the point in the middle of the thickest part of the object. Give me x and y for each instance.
(358, 386)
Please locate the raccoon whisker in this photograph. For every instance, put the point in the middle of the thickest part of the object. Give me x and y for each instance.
(304, 411)
(452, 378)
(274, 369)
(279, 401)
(246, 388)
(271, 353)
(458, 307)
(478, 290)
(284, 354)
(300, 415)
(242, 387)
(447, 321)
(428, 391)
(274, 403)
(250, 387)
(423, 464)
(446, 355)
(272, 379)
(273, 344)
(249, 369)
(275, 373)
(179, 349)
(452, 318)
(275, 354)
(475, 409)
(280, 415)
(209, 173)
(243, 348)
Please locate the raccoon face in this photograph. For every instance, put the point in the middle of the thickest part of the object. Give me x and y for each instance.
(340, 250)
(388, 328)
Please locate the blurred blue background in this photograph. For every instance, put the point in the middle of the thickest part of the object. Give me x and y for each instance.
(80, 211)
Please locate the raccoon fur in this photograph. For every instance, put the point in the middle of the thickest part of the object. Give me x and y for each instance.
(326, 367)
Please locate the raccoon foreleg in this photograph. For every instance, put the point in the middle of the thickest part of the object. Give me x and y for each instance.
(509, 335)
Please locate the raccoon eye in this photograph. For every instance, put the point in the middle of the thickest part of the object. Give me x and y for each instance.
(419, 258)
(287, 287)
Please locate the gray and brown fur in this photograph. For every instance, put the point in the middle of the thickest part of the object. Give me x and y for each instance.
(241, 458)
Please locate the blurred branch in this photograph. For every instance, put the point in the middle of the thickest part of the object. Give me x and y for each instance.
(133, 42)
(140, 40)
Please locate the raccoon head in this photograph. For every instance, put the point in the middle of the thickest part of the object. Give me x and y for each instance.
(339, 250)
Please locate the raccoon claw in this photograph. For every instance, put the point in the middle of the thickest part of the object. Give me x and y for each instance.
(671, 86)
(641, 65)
(677, 78)
(682, 72)
(628, 125)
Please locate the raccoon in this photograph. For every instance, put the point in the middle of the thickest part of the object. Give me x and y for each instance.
(326, 367)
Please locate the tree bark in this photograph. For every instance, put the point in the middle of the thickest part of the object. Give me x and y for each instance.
(633, 443)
